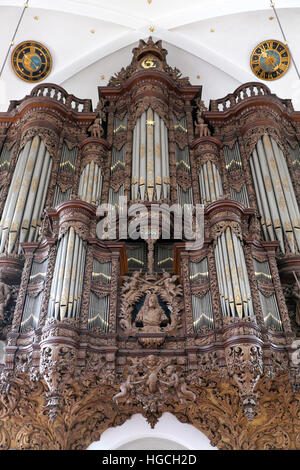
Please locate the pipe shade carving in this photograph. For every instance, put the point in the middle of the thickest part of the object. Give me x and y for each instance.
(267, 295)
(235, 172)
(34, 296)
(66, 172)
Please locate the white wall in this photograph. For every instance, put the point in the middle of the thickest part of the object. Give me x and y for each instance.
(214, 81)
(168, 434)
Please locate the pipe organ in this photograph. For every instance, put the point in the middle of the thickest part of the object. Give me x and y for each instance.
(170, 321)
(66, 289)
(67, 170)
(234, 165)
(234, 288)
(25, 201)
(210, 183)
(150, 158)
(275, 195)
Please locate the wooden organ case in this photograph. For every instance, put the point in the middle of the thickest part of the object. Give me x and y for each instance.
(99, 325)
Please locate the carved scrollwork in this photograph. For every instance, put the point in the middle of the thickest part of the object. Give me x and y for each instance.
(57, 367)
(183, 178)
(117, 178)
(244, 363)
(49, 138)
(220, 227)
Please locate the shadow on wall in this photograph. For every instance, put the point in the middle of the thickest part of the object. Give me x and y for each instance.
(168, 434)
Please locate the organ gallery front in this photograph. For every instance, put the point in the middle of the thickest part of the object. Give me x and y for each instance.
(102, 320)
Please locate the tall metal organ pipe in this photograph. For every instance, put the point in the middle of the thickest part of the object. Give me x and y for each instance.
(234, 287)
(275, 195)
(210, 183)
(150, 179)
(26, 197)
(67, 283)
(90, 185)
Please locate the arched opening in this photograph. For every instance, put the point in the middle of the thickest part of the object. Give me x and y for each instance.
(168, 434)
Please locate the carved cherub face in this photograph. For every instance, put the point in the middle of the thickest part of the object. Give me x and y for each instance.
(169, 370)
(151, 360)
(152, 302)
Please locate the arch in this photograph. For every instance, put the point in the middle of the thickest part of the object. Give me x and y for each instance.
(136, 433)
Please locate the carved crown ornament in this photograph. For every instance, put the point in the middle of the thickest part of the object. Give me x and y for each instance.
(148, 55)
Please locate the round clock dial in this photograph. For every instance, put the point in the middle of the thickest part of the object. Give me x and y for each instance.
(31, 61)
(150, 63)
(270, 60)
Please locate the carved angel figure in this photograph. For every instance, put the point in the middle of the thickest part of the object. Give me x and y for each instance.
(96, 129)
(178, 384)
(201, 129)
(169, 284)
(4, 298)
(151, 314)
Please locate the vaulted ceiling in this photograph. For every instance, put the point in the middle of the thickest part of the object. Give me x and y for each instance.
(208, 40)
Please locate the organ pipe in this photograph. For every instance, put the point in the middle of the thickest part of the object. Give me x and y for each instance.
(202, 311)
(90, 185)
(67, 283)
(233, 165)
(234, 288)
(101, 271)
(99, 312)
(275, 195)
(183, 163)
(33, 302)
(150, 178)
(67, 167)
(269, 304)
(210, 183)
(26, 197)
(201, 304)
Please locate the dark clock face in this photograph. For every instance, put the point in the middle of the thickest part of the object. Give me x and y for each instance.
(31, 61)
(270, 60)
(150, 63)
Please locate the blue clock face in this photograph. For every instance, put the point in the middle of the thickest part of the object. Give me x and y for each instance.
(31, 61)
(270, 60)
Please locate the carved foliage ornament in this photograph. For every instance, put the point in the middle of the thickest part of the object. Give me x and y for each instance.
(49, 138)
(220, 227)
(183, 178)
(244, 363)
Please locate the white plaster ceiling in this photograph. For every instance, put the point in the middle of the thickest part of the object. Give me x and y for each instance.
(82, 58)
